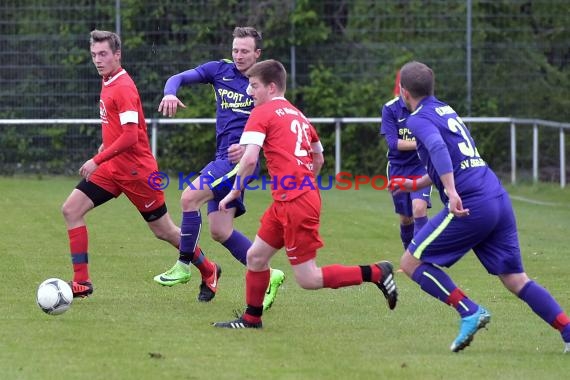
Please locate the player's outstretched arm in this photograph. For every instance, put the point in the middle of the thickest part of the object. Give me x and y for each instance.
(169, 105)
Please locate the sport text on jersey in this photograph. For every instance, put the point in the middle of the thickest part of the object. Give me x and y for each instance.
(405, 134)
(233, 100)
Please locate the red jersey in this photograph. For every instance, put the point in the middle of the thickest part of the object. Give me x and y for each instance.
(120, 104)
(288, 141)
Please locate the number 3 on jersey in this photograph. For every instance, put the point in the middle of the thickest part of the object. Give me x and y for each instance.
(301, 131)
(466, 147)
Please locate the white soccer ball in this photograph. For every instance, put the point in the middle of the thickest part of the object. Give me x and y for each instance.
(54, 296)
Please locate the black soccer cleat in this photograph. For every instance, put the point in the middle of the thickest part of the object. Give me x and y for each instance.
(387, 285)
(209, 286)
(239, 323)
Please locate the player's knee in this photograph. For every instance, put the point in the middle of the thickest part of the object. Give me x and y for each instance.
(219, 234)
(406, 220)
(69, 211)
(419, 211)
(218, 237)
(514, 282)
(256, 262)
(189, 201)
(188, 204)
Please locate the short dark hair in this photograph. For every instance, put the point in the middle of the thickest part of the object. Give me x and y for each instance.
(249, 31)
(102, 36)
(418, 79)
(269, 71)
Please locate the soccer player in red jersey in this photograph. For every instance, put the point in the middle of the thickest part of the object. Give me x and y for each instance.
(294, 157)
(123, 164)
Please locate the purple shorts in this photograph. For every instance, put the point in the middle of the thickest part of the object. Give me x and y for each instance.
(403, 201)
(489, 229)
(219, 175)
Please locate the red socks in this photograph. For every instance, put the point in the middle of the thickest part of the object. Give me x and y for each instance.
(78, 242)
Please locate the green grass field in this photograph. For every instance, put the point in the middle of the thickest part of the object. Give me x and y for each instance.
(134, 329)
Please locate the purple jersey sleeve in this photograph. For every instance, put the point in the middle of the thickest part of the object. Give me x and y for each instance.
(233, 104)
(389, 129)
(199, 74)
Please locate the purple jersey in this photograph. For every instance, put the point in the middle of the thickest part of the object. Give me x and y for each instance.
(393, 128)
(233, 104)
(437, 126)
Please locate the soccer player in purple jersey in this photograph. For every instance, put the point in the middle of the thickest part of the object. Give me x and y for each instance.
(403, 161)
(233, 106)
(478, 215)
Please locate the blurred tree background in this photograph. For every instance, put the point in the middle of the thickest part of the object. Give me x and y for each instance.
(342, 57)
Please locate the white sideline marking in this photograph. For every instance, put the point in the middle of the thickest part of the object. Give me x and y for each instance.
(535, 202)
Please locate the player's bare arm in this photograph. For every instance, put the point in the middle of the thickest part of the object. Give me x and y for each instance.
(169, 105)
(318, 162)
(406, 144)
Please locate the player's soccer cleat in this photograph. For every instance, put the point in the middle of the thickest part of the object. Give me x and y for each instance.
(81, 289)
(178, 274)
(468, 327)
(566, 348)
(387, 285)
(275, 281)
(239, 323)
(209, 286)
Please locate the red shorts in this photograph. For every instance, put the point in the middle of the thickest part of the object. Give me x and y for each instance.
(294, 225)
(140, 193)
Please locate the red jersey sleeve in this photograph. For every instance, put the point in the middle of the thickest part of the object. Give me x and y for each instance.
(128, 138)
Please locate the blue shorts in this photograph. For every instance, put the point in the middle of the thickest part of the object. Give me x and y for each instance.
(403, 201)
(489, 229)
(219, 175)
